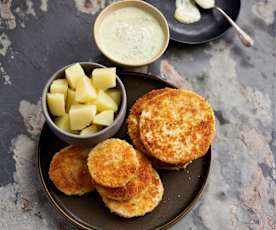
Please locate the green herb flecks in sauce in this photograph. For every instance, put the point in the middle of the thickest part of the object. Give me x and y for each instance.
(131, 35)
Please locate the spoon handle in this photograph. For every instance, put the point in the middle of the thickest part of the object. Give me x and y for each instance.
(244, 37)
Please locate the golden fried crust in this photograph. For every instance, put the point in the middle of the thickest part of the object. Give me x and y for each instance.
(112, 163)
(133, 118)
(134, 133)
(177, 126)
(69, 171)
(133, 187)
(141, 204)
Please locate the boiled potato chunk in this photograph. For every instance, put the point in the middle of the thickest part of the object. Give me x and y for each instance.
(63, 123)
(115, 94)
(90, 130)
(105, 102)
(73, 74)
(104, 78)
(104, 118)
(59, 86)
(81, 116)
(56, 103)
(71, 95)
(85, 91)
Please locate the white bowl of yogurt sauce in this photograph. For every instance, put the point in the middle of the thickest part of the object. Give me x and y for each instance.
(131, 33)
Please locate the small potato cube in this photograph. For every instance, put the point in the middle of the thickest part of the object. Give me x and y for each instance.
(73, 74)
(115, 94)
(90, 130)
(104, 118)
(63, 123)
(81, 116)
(105, 102)
(104, 78)
(59, 86)
(85, 91)
(56, 103)
(71, 95)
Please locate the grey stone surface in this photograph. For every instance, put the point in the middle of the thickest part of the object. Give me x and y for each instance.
(39, 36)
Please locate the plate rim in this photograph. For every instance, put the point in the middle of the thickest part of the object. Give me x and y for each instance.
(172, 37)
(76, 222)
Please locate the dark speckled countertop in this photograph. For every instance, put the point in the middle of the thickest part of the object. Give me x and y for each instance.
(37, 37)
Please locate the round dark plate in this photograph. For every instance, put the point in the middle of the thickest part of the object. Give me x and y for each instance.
(211, 26)
(182, 189)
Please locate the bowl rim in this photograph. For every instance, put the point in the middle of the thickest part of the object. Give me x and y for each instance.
(77, 136)
(126, 3)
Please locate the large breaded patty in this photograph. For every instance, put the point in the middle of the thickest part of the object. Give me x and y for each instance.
(69, 172)
(112, 163)
(177, 126)
(135, 112)
(133, 187)
(134, 132)
(141, 204)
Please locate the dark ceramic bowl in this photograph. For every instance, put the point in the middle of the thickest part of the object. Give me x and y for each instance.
(93, 138)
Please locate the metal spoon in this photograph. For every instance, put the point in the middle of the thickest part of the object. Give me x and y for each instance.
(244, 37)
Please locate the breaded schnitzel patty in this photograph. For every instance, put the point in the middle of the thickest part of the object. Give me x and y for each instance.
(133, 187)
(112, 163)
(141, 204)
(177, 126)
(69, 172)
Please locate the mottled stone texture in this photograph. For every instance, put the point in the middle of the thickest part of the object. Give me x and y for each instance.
(38, 37)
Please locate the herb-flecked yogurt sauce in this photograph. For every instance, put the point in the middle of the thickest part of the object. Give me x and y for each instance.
(131, 35)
